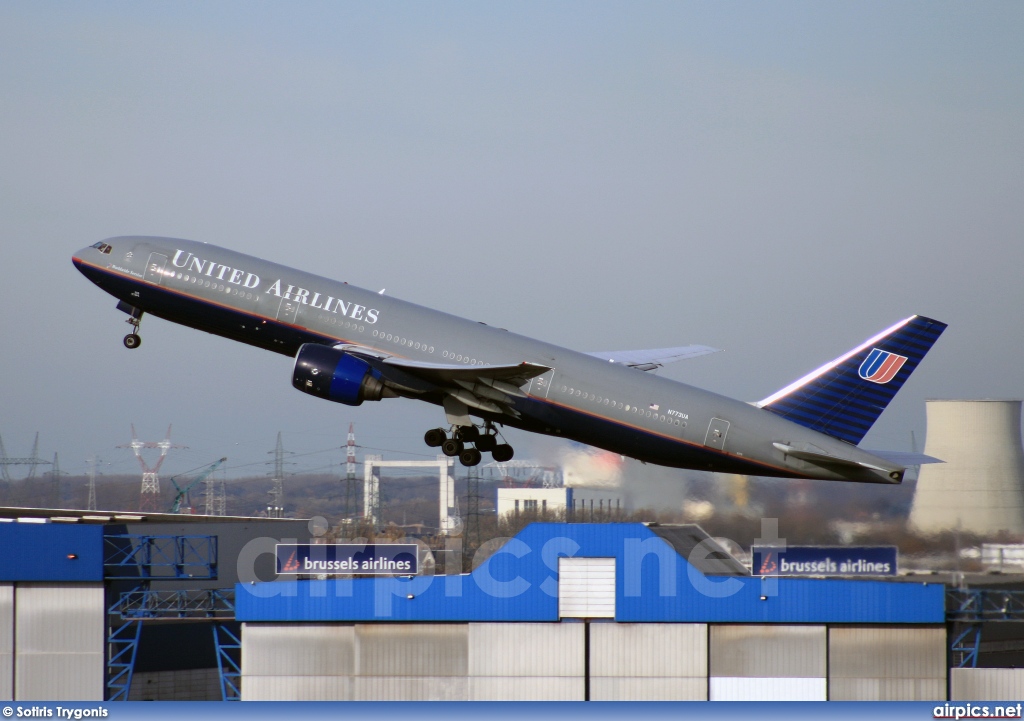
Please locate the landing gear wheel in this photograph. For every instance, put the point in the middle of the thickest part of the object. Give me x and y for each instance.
(467, 434)
(502, 452)
(451, 447)
(132, 340)
(470, 457)
(434, 437)
(486, 443)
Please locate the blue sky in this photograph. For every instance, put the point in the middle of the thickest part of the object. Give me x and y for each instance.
(781, 180)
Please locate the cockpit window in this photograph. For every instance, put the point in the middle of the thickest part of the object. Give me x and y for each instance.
(102, 247)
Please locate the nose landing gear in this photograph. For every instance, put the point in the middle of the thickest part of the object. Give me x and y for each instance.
(133, 340)
(484, 441)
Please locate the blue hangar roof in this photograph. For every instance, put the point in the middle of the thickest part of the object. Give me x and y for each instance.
(653, 583)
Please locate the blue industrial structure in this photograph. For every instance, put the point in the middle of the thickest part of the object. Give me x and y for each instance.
(654, 583)
(65, 553)
(51, 552)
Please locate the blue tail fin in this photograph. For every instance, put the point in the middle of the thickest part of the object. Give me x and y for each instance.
(844, 398)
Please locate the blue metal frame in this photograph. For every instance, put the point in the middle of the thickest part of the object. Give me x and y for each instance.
(965, 645)
(148, 559)
(145, 603)
(229, 658)
(123, 643)
(160, 557)
(969, 609)
(985, 604)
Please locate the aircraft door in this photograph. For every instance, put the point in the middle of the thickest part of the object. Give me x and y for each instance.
(155, 268)
(288, 311)
(717, 431)
(540, 385)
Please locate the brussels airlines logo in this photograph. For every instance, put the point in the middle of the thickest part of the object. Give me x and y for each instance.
(768, 566)
(881, 366)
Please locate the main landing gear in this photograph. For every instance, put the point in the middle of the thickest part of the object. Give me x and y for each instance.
(133, 340)
(483, 442)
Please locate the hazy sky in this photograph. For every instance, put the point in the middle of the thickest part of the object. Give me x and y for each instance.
(781, 180)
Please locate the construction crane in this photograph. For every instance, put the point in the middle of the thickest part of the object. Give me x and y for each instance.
(182, 493)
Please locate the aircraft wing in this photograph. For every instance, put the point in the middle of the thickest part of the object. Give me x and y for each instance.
(513, 373)
(484, 387)
(648, 360)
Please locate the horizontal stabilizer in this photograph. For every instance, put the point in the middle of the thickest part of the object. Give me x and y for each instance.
(827, 458)
(844, 397)
(906, 458)
(651, 358)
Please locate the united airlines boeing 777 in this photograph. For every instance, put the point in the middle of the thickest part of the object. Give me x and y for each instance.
(352, 345)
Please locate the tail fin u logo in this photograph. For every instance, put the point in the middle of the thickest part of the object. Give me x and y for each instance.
(881, 366)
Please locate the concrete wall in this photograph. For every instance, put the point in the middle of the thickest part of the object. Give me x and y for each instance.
(980, 486)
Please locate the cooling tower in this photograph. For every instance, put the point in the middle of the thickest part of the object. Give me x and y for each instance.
(980, 487)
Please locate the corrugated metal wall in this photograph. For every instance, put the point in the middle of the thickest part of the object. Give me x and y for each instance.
(586, 587)
(297, 661)
(628, 661)
(413, 662)
(887, 663)
(767, 663)
(526, 661)
(6, 642)
(363, 662)
(986, 684)
(648, 662)
(59, 637)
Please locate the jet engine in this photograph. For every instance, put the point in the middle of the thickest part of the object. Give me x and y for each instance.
(337, 376)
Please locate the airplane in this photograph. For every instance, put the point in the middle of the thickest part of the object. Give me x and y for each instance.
(352, 345)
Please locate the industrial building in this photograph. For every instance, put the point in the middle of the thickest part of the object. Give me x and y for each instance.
(594, 612)
(979, 486)
(561, 611)
(576, 503)
(126, 606)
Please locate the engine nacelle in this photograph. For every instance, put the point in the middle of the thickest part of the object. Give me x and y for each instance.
(337, 376)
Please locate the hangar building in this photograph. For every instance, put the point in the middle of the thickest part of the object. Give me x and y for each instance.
(560, 611)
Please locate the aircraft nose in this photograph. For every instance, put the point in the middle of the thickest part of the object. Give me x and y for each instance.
(94, 253)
